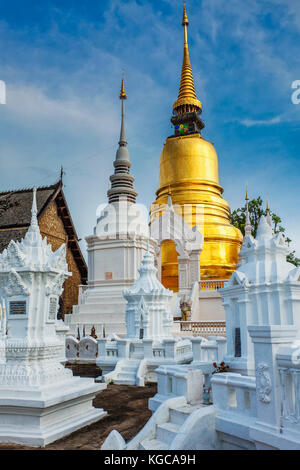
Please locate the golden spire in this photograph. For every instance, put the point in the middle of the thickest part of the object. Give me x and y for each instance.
(247, 197)
(123, 95)
(187, 95)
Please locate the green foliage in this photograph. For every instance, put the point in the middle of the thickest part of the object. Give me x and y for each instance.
(238, 218)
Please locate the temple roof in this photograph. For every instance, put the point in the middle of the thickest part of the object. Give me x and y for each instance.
(15, 218)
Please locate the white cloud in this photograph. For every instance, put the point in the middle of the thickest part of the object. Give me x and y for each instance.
(261, 122)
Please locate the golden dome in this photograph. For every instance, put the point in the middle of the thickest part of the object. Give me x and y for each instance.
(190, 158)
(189, 172)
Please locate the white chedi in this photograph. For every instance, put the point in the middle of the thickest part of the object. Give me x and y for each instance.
(31, 279)
(262, 291)
(148, 314)
(35, 388)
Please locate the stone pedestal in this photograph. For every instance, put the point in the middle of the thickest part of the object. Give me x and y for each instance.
(267, 340)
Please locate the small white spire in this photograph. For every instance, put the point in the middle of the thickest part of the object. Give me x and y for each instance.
(248, 226)
(34, 220)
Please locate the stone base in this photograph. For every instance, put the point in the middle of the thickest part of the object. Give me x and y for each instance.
(38, 416)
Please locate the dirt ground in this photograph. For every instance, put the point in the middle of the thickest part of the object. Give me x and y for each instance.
(127, 408)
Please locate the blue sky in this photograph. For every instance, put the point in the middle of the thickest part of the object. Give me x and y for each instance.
(62, 63)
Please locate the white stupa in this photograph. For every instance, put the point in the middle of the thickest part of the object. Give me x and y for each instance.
(40, 400)
(264, 290)
(148, 313)
(115, 250)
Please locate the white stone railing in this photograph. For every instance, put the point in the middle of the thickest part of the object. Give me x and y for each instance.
(234, 394)
(212, 285)
(177, 381)
(111, 349)
(204, 328)
(183, 348)
(159, 351)
(85, 350)
(289, 371)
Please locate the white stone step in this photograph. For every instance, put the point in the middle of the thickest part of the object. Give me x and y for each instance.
(167, 432)
(153, 444)
(132, 369)
(178, 417)
(124, 375)
(124, 382)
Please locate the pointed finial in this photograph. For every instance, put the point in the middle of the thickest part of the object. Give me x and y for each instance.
(123, 95)
(187, 99)
(34, 221)
(268, 208)
(185, 21)
(61, 173)
(247, 197)
(248, 226)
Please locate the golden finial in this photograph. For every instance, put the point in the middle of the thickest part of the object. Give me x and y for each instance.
(123, 95)
(185, 20)
(187, 95)
(247, 197)
(268, 208)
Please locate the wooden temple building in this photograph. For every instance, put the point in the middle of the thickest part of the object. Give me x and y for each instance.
(55, 223)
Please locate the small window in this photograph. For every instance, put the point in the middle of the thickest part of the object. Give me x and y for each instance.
(17, 308)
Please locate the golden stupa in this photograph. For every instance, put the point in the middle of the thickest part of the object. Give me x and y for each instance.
(189, 174)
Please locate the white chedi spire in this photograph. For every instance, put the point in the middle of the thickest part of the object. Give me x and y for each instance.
(148, 306)
(248, 226)
(148, 281)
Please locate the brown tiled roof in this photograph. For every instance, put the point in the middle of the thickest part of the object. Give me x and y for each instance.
(7, 235)
(15, 206)
(15, 216)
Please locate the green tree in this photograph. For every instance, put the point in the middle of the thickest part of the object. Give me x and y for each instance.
(238, 218)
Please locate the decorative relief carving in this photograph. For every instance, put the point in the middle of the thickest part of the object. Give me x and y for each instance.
(54, 287)
(15, 285)
(264, 384)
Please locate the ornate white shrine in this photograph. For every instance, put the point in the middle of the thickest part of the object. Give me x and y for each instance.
(35, 388)
(263, 291)
(148, 313)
